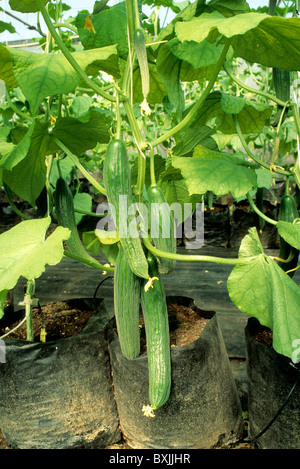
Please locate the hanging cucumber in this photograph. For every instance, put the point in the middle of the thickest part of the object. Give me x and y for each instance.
(64, 207)
(117, 181)
(288, 212)
(162, 227)
(127, 305)
(155, 315)
(141, 53)
(282, 84)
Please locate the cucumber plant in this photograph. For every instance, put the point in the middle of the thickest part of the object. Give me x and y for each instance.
(201, 107)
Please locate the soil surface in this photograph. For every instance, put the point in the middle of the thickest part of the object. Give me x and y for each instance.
(59, 319)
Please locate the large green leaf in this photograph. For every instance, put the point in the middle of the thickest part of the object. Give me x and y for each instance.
(256, 37)
(25, 252)
(110, 27)
(42, 75)
(81, 136)
(24, 168)
(262, 289)
(290, 232)
(219, 108)
(215, 172)
(168, 68)
(26, 6)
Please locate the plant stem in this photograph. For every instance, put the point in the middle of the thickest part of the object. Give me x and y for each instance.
(90, 263)
(28, 309)
(188, 118)
(79, 166)
(12, 204)
(254, 90)
(261, 214)
(249, 152)
(195, 257)
(15, 109)
(152, 167)
(60, 43)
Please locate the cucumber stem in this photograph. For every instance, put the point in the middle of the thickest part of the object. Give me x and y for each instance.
(249, 152)
(261, 214)
(79, 166)
(88, 263)
(195, 257)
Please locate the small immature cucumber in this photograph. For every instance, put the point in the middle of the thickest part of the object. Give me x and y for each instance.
(157, 336)
(288, 212)
(162, 227)
(117, 182)
(127, 288)
(64, 207)
(141, 53)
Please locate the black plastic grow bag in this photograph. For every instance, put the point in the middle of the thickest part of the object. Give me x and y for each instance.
(58, 394)
(203, 410)
(271, 377)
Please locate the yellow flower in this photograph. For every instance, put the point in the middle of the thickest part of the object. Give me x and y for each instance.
(149, 284)
(89, 25)
(145, 109)
(148, 411)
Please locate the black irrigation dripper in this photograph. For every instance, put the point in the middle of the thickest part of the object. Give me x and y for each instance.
(297, 367)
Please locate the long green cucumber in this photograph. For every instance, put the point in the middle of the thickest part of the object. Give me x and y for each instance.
(64, 208)
(117, 182)
(288, 212)
(282, 84)
(162, 227)
(127, 306)
(155, 314)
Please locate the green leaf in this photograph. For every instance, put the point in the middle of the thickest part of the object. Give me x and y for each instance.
(82, 201)
(4, 26)
(290, 232)
(3, 295)
(219, 108)
(168, 68)
(25, 252)
(270, 40)
(216, 174)
(188, 139)
(19, 151)
(110, 28)
(43, 75)
(262, 289)
(81, 136)
(27, 177)
(26, 6)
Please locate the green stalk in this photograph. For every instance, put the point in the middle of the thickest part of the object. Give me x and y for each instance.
(188, 118)
(195, 257)
(94, 265)
(254, 90)
(249, 152)
(15, 109)
(152, 167)
(70, 57)
(79, 166)
(12, 204)
(261, 214)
